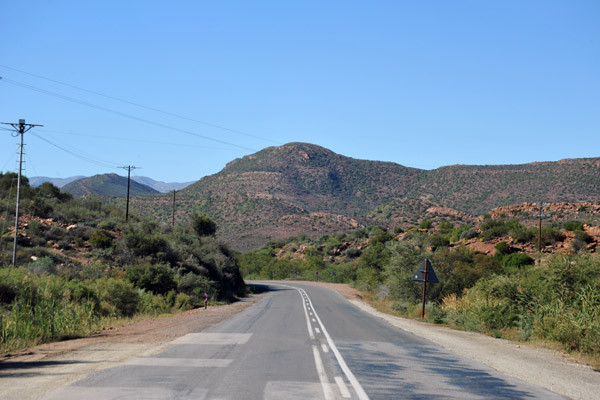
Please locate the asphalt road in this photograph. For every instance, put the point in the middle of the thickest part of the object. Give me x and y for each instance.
(301, 342)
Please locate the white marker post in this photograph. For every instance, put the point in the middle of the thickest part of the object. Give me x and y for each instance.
(205, 300)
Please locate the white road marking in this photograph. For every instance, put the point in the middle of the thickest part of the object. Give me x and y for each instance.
(362, 395)
(180, 362)
(310, 330)
(147, 393)
(342, 386)
(213, 338)
(314, 320)
(327, 392)
(325, 348)
(317, 330)
(351, 378)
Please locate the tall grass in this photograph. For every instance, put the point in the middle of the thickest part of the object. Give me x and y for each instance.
(37, 309)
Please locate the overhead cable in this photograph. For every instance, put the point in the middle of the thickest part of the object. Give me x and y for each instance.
(122, 114)
(143, 106)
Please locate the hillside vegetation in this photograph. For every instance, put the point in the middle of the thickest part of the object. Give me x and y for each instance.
(302, 188)
(81, 268)
(501, 292)
(107, 185)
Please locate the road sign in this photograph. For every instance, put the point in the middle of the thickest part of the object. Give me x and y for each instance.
(425, 274)
(426, 269)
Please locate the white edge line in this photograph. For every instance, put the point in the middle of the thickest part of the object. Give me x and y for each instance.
(351, 378)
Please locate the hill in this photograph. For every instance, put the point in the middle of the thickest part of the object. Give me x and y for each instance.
(303, 188)
(162, 187)
(36, 181)
(107, 185)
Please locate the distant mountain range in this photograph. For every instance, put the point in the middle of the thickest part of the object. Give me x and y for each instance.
(162, 187)
(303, 188)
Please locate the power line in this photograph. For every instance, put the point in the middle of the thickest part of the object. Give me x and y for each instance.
(135, 140)
(122, 114)
(89, 159)
(143, 106)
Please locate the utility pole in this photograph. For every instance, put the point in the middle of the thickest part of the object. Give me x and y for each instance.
(128, 168)
(174, 207)
(21, 127)
(540, 215)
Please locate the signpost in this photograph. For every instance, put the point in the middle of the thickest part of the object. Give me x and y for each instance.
(425, 274)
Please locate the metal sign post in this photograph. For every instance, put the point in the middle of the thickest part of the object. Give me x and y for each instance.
(425, 274)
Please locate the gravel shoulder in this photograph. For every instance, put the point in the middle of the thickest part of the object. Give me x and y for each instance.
(35, 371)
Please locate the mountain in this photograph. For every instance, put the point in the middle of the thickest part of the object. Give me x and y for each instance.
(107, 185)
(162, 187)
(36, 181)
(303, 188)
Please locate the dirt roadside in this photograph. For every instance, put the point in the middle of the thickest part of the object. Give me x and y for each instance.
(36, 371)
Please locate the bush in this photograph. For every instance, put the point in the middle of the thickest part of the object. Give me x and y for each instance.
(159, 279)
(469, 234)
(426, 224)
(573, 226)
(118, 297)
(516, 261)
(101, 239)
(203, 225)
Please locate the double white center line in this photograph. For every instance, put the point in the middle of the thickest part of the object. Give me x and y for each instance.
(308, 307)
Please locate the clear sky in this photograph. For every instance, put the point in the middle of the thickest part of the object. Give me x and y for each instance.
(420, 83)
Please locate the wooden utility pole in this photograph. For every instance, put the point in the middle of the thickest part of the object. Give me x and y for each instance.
(540, 215)
(21, 127)
(128, 168)
(174, 207)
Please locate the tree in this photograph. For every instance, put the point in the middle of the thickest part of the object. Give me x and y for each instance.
(203, 226)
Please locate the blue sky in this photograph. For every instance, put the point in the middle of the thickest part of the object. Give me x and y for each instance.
(420, 83)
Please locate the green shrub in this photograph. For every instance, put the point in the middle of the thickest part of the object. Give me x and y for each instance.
(118, 297)
(157, 278)
(101, 239)
(502, 249)
(516, 261)
(203, 225)
(426, 224)
(573, 226)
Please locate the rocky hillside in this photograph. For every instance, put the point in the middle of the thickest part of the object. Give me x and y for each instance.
(303, 188)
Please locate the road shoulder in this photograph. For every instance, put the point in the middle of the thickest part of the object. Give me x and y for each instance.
(36, 371)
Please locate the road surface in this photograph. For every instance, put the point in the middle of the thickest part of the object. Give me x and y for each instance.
(301, 342)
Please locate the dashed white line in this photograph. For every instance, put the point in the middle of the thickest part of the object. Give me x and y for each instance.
(322, 375)
(351, 378)
(317, 330)
(342, 386)
(324, 348)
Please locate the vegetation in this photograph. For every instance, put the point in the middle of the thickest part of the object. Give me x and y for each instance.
(270, 195)
(504, 295)
(80, 267)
